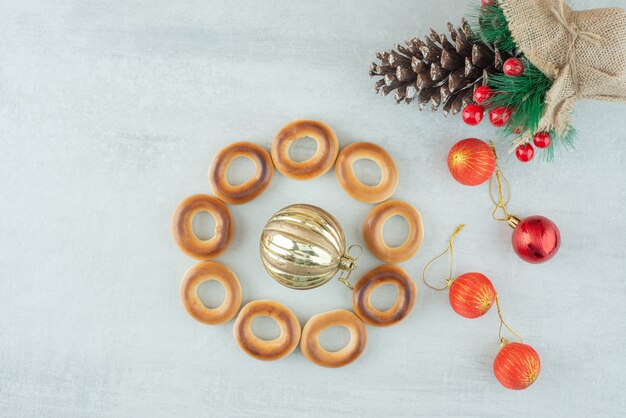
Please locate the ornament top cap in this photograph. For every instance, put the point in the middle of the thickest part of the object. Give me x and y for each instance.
(513, 221)
(303, 246)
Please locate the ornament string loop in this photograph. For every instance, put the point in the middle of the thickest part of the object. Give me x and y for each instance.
(450, 249)
(502, 191)
(350, 267)
(504, 324)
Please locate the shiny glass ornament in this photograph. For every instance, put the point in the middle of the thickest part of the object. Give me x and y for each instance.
(303, 246)
(536, 239)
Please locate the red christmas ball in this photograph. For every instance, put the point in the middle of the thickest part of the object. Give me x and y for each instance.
(483, 93)
(513, 67)
(517, 366)
(499, 116)
(542, 139)
(473, 114)
(536, 239)
(471, 295)
(471, 161)
(524, 152)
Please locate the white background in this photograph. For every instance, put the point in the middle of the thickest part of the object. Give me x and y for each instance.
(110, 113)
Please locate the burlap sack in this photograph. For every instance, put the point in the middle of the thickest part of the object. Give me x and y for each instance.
(583, 52)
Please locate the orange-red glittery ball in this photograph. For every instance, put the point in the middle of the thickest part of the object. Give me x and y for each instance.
(517, 366)
(471, 161)
(471, 295)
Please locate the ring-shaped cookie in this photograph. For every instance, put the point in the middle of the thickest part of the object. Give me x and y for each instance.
(203, 272)
(319, 163)
(373, 231)
(251, 188)
(381, 275)
(182, 228)
(348, 180)
(258, 348)
(313, 350)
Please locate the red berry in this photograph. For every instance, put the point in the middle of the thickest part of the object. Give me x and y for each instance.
(487, 2)
(473, 114)
(524, 152)
(499, 116)
(542, 139)
(513, 67)
(483, 93)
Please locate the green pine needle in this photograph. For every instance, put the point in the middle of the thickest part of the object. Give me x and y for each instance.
(525, 94)
(493, 27)
(567, 142)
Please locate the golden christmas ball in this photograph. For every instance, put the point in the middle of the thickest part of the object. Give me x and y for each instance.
(303, 246)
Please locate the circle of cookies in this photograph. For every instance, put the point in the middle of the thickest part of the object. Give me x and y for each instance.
(291, 332)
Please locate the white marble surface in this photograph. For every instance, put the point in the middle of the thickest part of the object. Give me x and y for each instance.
(110, 112)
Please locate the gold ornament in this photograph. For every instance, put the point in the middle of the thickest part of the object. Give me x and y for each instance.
(303, 246)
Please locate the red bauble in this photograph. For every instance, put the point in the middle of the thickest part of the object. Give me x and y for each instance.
(471, 161)
(536, 239)
(542, 139)
(483, 93)
(471, 295)
(524, 152)
(499, 116)
(513, 67)
(517, 366)
(473, 114)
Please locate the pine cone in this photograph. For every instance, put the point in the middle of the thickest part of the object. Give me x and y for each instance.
(436, 70)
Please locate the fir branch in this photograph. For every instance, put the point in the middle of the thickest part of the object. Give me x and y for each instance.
(525, 95)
